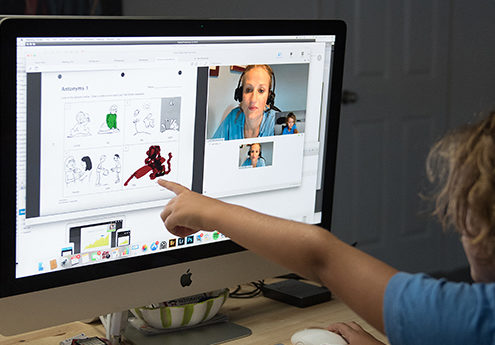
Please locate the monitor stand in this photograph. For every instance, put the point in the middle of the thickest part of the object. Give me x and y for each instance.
(118, 330)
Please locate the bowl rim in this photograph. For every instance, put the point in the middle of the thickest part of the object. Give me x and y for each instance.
(221, 293)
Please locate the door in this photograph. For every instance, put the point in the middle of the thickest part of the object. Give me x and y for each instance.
(396, 77)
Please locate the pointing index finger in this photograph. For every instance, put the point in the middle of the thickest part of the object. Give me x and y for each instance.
(172, 186)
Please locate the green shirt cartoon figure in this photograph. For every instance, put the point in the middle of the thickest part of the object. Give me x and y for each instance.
(110, 124)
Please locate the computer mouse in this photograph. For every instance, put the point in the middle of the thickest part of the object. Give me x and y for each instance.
(317, 336)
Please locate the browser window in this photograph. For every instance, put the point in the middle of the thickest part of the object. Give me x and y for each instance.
(100, 120)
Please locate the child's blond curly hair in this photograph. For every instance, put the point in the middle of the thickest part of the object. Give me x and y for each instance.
(462, 163)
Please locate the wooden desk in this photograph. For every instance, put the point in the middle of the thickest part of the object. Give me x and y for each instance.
(270, 321)
(274, 322)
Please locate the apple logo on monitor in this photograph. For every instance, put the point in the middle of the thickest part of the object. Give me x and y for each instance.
(185, 279)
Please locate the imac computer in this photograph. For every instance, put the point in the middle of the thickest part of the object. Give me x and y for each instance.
(95, 110)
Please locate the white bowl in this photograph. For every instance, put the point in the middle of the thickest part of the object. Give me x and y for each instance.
(183, 315)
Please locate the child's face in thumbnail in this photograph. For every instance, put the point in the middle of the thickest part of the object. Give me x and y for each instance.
(256, 86)
(254, 152)
(290, 122)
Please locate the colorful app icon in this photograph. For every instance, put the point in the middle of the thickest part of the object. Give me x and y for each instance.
(95, 256)
(190, 239)
(199, 237)
(64, 262)
(216, 235)
(172, 242)
(74, 260)
(67, 251)
(154, 246)
(181, 241)
(40, 267)
(135, 248)
(53, 264)
(85, 258)
(144, 247)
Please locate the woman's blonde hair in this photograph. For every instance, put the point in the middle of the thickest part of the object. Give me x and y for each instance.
(462, 164)
(266, 68)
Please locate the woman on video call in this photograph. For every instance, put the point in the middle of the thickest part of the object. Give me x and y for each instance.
(254, 160)
(254, 116)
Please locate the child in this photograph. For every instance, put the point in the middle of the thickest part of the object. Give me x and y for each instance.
(290, 125)
(410, 308)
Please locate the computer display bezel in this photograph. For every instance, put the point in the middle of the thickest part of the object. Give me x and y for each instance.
(11, 28)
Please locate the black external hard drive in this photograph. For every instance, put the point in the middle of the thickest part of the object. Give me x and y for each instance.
(297, 293)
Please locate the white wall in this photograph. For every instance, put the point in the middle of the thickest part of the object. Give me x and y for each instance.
(289, 88)
(220, 103)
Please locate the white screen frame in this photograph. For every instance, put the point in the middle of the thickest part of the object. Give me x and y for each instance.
(242, 266)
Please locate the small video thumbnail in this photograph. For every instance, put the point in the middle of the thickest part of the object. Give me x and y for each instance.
(256, 155)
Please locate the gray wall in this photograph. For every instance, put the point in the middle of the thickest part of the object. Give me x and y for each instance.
(472, 64)
(471, 43)
(224, 8)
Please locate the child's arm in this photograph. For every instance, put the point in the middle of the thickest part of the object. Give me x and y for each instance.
(357, 278)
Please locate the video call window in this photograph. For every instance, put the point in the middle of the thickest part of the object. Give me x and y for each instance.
(256, 155)
(262, 102)
(283, 88)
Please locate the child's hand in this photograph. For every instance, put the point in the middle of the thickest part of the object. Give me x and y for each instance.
(188, 212)
(354, 334)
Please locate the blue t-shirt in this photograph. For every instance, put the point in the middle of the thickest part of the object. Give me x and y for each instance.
(259, 163)
(286, 129)
(421, 310)
(232, 127)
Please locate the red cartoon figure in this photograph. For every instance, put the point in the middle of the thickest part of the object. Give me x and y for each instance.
(154, 163)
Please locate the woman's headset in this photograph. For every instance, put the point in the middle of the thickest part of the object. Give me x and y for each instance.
(271, 94)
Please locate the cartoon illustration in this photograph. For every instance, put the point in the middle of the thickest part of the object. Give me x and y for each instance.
(154, 163)
(86, 170)
(171, 124)
(110, 125)
(71, 171)
(77, 173)
(117, 167)
(81, 128)
(143, 125)
(170, 114)
(148, 121)
(101, 170)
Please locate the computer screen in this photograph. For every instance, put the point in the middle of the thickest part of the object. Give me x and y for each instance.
(95, 111)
